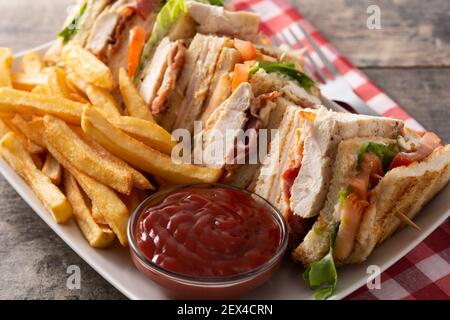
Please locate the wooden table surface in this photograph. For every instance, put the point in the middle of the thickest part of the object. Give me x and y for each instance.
(409, 58)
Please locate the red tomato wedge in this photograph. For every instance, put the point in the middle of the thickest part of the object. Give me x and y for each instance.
(351, 215)
(428, 143)
(246, 49)
(370, 168)
(241, 72)
(136, 44)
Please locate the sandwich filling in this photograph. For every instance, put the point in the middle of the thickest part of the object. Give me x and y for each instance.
(374, 161)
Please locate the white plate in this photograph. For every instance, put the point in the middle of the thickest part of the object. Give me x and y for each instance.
(116, 267)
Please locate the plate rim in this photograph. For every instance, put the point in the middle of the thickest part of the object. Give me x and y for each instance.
(11, 177)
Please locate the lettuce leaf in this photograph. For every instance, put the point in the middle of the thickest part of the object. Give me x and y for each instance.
(71, 29)
(218, 3)
(343, 195)
(386, 153)
(285, 68)
(321, 276)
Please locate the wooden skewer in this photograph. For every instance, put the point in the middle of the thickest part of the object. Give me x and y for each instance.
(404, 218)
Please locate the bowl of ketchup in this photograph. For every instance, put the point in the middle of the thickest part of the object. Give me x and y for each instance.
(207, 241)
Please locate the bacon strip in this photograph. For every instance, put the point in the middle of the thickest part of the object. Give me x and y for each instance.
(428, 143)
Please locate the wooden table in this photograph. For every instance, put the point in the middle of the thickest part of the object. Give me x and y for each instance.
(409, 58)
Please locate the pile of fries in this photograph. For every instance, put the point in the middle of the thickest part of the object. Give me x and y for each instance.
(84, 156)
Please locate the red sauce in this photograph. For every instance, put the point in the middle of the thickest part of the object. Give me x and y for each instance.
(208, 232)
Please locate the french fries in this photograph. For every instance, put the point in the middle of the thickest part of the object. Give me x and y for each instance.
(59, 135)
(103, 100)
(139, 180)
(12, 100)
(140, 155)
(32, 63)
(56, 83)
(27, 82)
(136, 106)
(4, 129)
(76, 83)
(20, 160)
(6, 59)
(40, 89)
(98, 236)
(147, 132)
(33, 130)
(29, 145)
(103, 198)
(87, 66)
(52, 169)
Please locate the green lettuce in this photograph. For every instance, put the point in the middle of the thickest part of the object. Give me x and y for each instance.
(218, 3)
(321, 276)
(285, 68)
(71, 29)
(343, 195)
(386, 153)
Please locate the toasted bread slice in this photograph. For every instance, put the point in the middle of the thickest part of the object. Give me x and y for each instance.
(267, 183)
(321, 138)
(316, 243)
(402, 191)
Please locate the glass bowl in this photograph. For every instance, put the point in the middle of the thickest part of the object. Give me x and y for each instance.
(183, 286)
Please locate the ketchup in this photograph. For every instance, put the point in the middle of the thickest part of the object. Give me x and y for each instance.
(208, 233)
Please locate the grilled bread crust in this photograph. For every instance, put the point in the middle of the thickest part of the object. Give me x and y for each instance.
(403, 190)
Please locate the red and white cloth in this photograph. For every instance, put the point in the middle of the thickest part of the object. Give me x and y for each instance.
(424, 273)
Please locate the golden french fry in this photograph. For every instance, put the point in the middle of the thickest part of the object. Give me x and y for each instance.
(20, 160)
(97, 236)
(140, 155)
(87, 66)
(32, 63)
(139, 180)
(56, 83)
(147, 132)
(40, 89)
(76, 83)
(103, 198)
(136, 106)
(4, 129)
(7, 115)
(32, 131)
(12, 100)
(31, 147)
(6, 59)
(103, 100)
(27, 82)
(59, 135)
(77, 98)
(52, 169)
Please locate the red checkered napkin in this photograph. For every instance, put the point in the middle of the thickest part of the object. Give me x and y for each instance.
(425, 272)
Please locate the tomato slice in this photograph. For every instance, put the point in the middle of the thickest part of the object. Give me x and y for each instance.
(370, 169)
(351, 216)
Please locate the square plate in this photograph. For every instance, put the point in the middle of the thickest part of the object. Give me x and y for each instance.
(116, 267)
